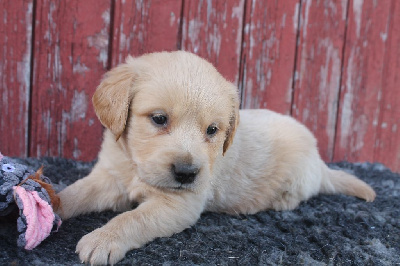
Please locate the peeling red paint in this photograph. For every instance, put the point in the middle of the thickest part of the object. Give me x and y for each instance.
(319, 57)
(15, 55)
(213, 30)
(341, 81)
(143, 27)
(70, 55)
(269, 54)
(369, 113)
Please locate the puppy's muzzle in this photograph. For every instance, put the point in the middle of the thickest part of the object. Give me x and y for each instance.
(184, 173)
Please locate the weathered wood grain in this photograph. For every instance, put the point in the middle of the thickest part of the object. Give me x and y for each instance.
(368, 116)
(213, 30)
(318, 69)
(342, 82)
(70, 55)
(268, 55)
(145, 26)
(387, 146)
(15, 57)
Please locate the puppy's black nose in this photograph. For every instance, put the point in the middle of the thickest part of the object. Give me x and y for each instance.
(185, 173)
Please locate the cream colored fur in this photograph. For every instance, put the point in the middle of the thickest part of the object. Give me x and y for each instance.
(272, 161)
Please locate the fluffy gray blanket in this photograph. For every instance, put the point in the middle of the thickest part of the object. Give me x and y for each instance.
(330, 230)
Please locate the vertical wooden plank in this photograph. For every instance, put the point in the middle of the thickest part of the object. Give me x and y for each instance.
(213, 30)
(70, 56)
(387, 144)
(318, 69)
(362, 95)
(145, 26)
(268, 55)
(15, 57)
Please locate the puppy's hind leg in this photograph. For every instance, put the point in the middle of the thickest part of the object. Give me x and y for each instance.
(337, 181)
(94, 193)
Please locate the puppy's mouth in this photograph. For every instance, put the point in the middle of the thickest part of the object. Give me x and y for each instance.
(177, 187)
(180, 187)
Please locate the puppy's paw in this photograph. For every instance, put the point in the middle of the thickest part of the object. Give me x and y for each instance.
(101, 247)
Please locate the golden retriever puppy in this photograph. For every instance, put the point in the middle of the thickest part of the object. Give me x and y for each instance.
(174, 145)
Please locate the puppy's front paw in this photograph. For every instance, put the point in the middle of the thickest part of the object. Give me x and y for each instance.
(101, 247)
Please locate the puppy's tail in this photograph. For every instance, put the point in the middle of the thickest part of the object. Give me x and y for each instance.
(337, 181)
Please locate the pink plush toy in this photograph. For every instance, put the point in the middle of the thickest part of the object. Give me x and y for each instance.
(32, 194)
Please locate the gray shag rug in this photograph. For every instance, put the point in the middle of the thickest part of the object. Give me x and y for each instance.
(334, 229)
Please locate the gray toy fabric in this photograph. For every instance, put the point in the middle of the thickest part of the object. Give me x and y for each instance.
(19, 189)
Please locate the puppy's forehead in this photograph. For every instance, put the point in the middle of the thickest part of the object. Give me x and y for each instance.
(185, 82)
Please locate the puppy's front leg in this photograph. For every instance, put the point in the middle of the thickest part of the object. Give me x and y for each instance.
(96, 192)
(160, 216)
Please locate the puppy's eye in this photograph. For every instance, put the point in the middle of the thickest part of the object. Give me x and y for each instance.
(212, 130)
(159, 119)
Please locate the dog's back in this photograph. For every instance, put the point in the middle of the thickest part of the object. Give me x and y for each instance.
(275, 164)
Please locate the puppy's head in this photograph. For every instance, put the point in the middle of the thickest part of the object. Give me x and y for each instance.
(176, 114)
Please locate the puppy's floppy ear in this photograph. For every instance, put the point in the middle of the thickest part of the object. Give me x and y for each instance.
(113, 96)
(233, 124)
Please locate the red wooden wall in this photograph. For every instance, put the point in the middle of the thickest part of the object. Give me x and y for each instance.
(333, 65)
